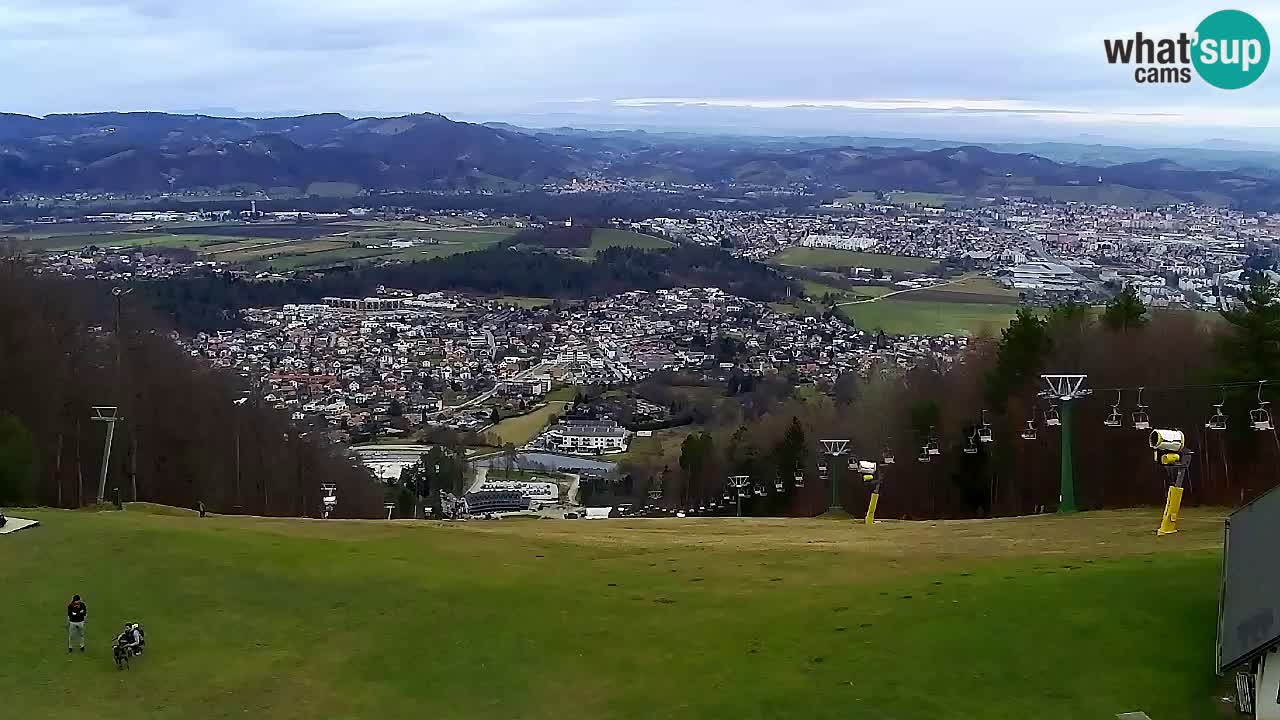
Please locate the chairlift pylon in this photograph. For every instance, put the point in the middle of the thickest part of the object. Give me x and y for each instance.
(1260, 418)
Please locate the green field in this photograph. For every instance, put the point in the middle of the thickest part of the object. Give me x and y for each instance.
(524, 302)
(603, 238)
(521, 429)
(912, 317)
(832, 259)
(926, 199)
(858, 196)
(1048, 618)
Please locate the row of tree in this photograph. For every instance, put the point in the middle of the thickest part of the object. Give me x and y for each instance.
(210, 301)
(188, 432)
(1187, 362)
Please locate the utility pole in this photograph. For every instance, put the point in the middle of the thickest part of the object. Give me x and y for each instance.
(1066, 389)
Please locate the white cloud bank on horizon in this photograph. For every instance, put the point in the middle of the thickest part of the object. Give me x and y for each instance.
(957, 65)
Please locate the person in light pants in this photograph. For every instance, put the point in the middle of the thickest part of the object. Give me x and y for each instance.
(77, 611)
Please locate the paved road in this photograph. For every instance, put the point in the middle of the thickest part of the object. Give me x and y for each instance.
(900, 292)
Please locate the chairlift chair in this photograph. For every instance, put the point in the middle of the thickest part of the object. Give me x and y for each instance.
(1141, 421)
(1260, 418)
(984, 431)
(887, 457)
(728, 497)
(760, 491)
(1113, 418)
(799, 480)
(1029, 433)
(1051, 417)
(1218, 420)
(822, 471)
(778, 486)
(924, 454)
(972, 447)
(932, 445)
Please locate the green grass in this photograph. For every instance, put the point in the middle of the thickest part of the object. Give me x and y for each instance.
(521, 429)
(923, 199)
(908, 317)
(1105, 194)
(1047, 618)
(858, 196)
(604, 238)
(832, 259)
(660, 448)
(524, 302)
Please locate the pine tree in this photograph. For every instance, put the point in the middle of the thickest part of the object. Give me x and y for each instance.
(1125, 311)
(1251, 350)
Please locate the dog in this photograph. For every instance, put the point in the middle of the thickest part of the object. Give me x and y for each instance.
(122, 655)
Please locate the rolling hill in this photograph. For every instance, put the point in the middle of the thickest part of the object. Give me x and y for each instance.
(141, 153)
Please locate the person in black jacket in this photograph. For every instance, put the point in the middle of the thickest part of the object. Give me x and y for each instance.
(77, 612)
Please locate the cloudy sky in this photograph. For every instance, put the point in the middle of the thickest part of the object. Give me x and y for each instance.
(940, 68)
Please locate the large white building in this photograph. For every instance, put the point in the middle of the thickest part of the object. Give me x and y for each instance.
(585, 437)
(839, 243)
(1039, 276)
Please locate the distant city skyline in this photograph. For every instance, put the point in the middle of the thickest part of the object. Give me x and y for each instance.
(983, 71)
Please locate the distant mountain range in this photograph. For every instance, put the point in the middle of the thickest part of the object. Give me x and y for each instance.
(158, 152)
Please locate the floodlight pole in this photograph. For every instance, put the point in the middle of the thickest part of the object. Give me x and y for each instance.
(1066, 388)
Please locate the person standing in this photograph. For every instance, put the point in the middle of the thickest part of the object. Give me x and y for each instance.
(77, 611)
(200, 507)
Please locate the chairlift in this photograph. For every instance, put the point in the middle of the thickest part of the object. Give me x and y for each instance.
(822, 471)
(799, 480)
(728, 496)
(984, 431)
(972, 447)
(1029, 433)
(778, 486)
(1113, 418)
(1260, 418)
(924, 454)
(1051, 417)
(1141, 421)
(853, 464)
(887, 457)
(1218, 420)
(931, 446)
(760, 491)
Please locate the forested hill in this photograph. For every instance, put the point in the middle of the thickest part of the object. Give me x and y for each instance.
(177, 441)
(211, 301)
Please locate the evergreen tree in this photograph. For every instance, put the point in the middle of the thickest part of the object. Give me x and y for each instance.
(1022, 347)
(17, 462)
(1251, 350)
(1125, 311)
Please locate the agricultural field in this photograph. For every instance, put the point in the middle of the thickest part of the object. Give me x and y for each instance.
(858, 196)
(832, 259)
(916, 317)
(521, 429)
(662, 447)
(926, 199)
(1038, 617)
(604, 238)
(527, 303)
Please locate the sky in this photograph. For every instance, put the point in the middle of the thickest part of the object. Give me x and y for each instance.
(995, 70)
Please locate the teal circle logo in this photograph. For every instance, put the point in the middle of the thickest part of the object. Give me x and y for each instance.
(1232, 49)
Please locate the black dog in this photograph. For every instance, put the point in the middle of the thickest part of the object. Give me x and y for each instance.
(122, 655)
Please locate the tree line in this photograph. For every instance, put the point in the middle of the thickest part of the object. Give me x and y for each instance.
(210, 301)
(1188, 362)
(189, 433)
